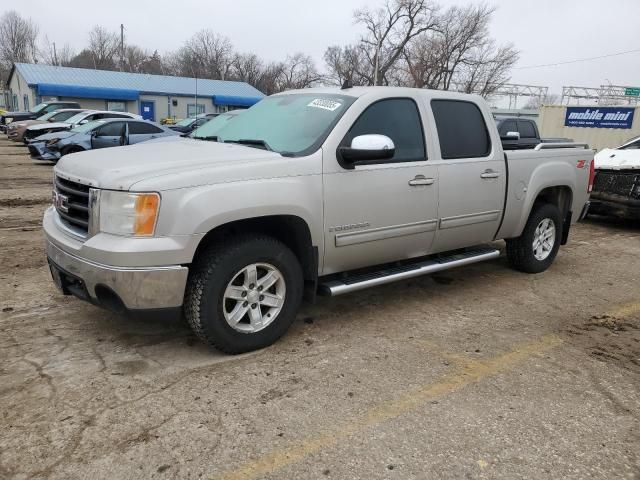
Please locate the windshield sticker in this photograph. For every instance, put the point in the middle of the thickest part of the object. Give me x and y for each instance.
(325, 104)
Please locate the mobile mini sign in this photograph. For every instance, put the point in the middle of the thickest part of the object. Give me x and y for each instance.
(599, 117)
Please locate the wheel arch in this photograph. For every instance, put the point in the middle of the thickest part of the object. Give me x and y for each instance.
(291, 230)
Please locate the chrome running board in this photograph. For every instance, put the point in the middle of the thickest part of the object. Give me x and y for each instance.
(360, 281)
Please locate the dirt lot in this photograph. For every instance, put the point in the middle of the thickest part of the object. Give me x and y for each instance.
(480, 372)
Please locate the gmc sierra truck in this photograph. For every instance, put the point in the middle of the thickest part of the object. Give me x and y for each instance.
(310, 191)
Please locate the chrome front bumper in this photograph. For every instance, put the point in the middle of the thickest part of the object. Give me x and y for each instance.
(142, 288)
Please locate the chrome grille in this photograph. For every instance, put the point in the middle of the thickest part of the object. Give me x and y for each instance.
(71, 200)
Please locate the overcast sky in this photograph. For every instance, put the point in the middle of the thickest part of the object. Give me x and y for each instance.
(545, 31)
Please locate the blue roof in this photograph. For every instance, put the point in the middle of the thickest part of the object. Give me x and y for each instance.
(95, 81)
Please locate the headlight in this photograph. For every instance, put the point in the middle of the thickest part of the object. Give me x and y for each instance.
(8, 120)
(131, 214)
(53, 141)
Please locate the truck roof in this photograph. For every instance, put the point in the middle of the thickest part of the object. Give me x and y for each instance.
(390, 91)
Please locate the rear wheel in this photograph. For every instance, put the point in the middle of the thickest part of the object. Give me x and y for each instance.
(535, 250)
(243, 294)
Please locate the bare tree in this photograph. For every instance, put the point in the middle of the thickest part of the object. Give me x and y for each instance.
(346, 64)
(104, 47)
(52, 54)
(389, 30)
(298, 71)
(487, 70)
(247, 67)
(207, 55)
(134, 59)
(18, 38)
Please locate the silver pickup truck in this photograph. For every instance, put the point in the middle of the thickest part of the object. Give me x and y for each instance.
(312, 191)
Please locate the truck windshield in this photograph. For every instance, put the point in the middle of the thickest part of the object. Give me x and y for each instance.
(210, 129)
(294, 124)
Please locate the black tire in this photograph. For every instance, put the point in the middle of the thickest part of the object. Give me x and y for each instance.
(210, 274)
(68, 150)
(520, 252)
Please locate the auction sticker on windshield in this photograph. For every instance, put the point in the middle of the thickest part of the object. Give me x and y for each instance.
(325, 104)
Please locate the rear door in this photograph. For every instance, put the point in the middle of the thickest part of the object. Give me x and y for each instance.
(472, 176)
(108, 135)
(141, 131)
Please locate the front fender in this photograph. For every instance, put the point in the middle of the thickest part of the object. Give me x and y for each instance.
(201, 209)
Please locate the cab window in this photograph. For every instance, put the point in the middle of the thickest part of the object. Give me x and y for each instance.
(398, 119)
(461, 129)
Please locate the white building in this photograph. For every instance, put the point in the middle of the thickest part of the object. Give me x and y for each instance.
(152, 96)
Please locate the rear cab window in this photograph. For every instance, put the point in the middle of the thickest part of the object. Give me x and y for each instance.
(526, 129)
(461, 128)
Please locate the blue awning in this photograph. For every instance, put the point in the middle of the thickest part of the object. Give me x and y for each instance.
(233, 101)
(87, 92)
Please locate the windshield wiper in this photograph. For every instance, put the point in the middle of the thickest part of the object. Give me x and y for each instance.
(251, 143)
(210, 138)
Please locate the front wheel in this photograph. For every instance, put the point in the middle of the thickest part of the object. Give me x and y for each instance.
(537, 247)
(243, 294)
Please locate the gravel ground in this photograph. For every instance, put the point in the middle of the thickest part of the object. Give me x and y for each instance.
(479, 372)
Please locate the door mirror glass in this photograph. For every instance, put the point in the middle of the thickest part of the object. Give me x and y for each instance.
(372, 147)
(511, 136)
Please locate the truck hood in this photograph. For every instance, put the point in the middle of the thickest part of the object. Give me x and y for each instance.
(614, 159)
(171, 165)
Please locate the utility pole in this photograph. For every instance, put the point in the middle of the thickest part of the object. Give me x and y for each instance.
(55, 54)
(375, 68)
(121, 47)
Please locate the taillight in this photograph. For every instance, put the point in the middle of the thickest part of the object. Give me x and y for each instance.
(592, 175)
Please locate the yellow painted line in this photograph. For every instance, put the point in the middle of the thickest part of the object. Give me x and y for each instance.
(471, 372)
(626, 310)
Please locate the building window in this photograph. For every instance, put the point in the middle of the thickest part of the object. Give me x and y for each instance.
(117, 106)
(15, 102)
(193, 109)
(25, 99)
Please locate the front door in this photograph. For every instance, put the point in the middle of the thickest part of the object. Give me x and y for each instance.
(148, 110)
(383, 212)
(108, 135)
(472, 176)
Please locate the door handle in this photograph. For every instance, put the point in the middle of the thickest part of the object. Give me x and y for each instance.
(421, 180)
(489, 174)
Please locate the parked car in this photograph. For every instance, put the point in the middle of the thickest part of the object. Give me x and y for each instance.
(37, 111)
(190, 124)
(617, 184)
(81, 118)
(314, 190)
(205, 132)
(16, 130)
(521, 133)
(104, 133)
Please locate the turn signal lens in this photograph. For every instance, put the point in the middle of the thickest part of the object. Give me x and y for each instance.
(146, 209)
(129, 214)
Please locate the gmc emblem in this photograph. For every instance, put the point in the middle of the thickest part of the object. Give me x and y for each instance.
(61, 202)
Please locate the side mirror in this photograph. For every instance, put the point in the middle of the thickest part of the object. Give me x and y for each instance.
(368, 148)
(82, 122)
(510, 136)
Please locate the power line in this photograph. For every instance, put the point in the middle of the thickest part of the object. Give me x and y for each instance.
(579, 60)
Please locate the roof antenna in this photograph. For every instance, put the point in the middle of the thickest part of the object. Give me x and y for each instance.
(347, 84)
